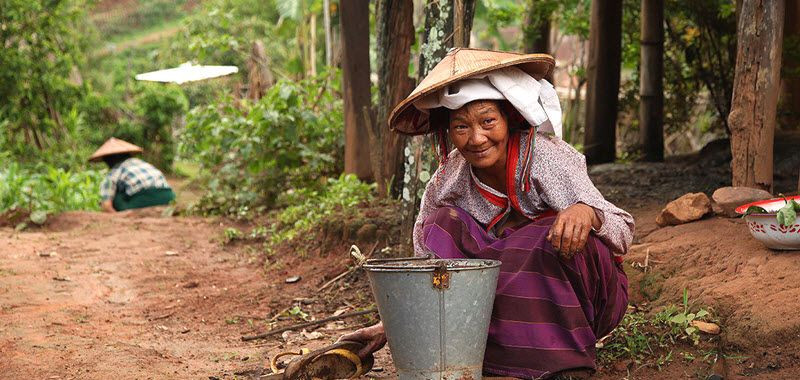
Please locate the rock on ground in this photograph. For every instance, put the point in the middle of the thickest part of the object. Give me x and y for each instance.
(729, 198)
(688, 208)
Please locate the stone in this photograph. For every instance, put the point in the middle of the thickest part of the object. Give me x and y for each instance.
(687, 208)
(729, 198)
(367, 232)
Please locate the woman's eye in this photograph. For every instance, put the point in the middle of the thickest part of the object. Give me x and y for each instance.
(488, 120)
(459, 127)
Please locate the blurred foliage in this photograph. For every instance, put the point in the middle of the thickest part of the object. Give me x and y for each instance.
(42, 190)
(251, 152)
(42, 50)
(120, 21)
(223, 32)
(699, 61)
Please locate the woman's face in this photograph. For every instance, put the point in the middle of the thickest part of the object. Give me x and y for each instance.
(479, 130)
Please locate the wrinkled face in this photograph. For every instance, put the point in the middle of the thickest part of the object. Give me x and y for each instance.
(479, 130)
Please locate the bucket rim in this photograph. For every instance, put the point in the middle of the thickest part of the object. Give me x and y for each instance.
(386, 265)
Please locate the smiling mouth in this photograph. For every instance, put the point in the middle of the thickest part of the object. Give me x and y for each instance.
(480, 153)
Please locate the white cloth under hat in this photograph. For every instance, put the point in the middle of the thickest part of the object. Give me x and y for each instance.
(536, 100)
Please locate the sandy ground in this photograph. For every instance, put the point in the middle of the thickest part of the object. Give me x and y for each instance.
(137, 296)
(140, 296)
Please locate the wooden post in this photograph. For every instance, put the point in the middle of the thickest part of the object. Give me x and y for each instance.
(755, 92)
(791, 101)
(605, 56)
(356, 86)
(395, 34)
(651, 81)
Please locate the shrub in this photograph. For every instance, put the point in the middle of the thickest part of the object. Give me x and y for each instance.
(290, 139)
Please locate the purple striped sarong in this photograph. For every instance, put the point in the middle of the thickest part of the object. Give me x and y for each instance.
(548, 311)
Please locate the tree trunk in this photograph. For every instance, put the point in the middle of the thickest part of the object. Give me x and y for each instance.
(259, 74)
(438, 23)
(356, 86)
(326, 11)
(755, 92)
(651, 81)
(463, 13)
(536, 29)
(395, 34)
(605, 44)
(312, 49)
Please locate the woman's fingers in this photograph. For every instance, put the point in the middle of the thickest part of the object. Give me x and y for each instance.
(556, 231)
(569, 239)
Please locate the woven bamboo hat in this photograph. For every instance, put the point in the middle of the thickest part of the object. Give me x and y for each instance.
(461, 63)
(114, 146)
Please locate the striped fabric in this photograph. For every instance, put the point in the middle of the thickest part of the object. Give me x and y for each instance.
(131, 176)
(548, 311)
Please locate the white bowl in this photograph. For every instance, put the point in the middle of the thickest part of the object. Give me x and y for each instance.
(765, 227)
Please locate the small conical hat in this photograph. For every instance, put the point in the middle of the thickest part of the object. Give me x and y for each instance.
(459, 64)
(114, 146)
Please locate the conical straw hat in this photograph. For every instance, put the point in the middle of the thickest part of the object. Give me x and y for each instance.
(461, 63)
(114, 146)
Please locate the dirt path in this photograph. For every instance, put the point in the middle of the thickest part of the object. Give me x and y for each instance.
(137, 296)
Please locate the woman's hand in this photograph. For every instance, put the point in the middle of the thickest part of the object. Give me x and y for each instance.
(373, 338)
(570, 231)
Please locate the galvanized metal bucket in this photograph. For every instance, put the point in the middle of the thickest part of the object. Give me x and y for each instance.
(436, 313)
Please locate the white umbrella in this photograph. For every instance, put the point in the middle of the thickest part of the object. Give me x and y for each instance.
(187, 73)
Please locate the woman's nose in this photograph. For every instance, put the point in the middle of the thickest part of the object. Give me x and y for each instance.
(477, 137)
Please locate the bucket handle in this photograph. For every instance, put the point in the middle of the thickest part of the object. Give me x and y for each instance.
(396, 259)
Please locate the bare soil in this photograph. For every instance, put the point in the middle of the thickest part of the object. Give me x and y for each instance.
(140, 296)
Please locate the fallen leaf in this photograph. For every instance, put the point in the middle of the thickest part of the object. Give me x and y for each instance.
(340, 311)
(312, 335)
(707, 327)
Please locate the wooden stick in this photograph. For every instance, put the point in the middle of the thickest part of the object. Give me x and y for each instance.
(349, 270)
(307, 324)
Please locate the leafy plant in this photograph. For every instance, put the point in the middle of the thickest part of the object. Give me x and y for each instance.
(232, 234)
(290, 139)
(644, 337)
(46, 190)
(306, 207)
(787, 215)
(683, 319)
(755, 210)
(297, 312)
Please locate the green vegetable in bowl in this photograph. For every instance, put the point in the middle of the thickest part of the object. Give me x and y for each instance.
(755, 210)
(787, 215)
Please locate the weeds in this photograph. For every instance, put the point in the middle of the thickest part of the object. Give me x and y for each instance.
(644, 337)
